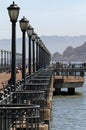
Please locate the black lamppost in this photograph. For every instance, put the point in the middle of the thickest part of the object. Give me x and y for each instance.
(13, 11)
(40, 55)
(37, 52)
(33, 39)
(23, 25)
(43, 55)
(1, 57)
(7, 58)
(44, 51)
(4, 57)
(29, 32)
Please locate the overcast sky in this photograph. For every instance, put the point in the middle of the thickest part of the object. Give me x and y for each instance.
(47, 17)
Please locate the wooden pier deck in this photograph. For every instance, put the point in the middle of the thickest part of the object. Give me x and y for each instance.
(4, 77)
(70, 79)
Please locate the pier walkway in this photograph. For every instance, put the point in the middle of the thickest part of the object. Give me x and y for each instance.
(29, 106)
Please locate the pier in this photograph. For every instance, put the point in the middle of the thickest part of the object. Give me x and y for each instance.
(69, 77)
(26, 89)
(30, 105)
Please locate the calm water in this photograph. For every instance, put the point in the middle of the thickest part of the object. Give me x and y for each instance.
(69, 112)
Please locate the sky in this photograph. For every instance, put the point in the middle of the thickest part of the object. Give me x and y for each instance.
(47, 17)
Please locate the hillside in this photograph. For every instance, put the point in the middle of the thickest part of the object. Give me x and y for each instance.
(53, 43)
(71, 54)
(60, 43)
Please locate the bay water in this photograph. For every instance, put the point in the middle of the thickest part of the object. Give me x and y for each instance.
(69, 112)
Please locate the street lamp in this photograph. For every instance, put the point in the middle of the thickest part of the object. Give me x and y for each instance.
(33, 39)
(40, 54)
(37, 52)
(29, 32)
(1, 57)
(7, 58)
(4, 57)
(23, 25)
(13, 11)
(44, 56)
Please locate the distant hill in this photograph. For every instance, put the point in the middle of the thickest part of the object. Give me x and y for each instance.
(71, 54)
(53, 43)
(60, 43)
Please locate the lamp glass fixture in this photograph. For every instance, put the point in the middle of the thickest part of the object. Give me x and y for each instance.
(23, 24)
(33, 36)
(29, 31)
(13, 11)
(37, 39)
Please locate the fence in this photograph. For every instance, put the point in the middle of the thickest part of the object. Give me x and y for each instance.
(19, 117)
(5, 60)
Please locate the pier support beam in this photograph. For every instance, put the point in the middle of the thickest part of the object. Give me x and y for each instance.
(57, 91)
(71, 91)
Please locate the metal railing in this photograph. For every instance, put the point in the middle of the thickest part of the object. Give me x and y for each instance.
(18, 100)
(31, 97)
(14, 117)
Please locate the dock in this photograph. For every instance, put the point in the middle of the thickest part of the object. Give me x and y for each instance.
(68, 77)
(29, 105)
(33, 99)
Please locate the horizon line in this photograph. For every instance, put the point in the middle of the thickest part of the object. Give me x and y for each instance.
(49, 36)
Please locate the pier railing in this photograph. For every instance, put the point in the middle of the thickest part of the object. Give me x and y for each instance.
(31, 97)
(14, 117)
(35, 91)
(5, 60)
(71, 70)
